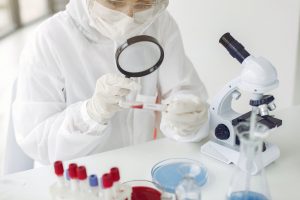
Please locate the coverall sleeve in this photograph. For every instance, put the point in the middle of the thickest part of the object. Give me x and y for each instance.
(45, 127)
(177, 76)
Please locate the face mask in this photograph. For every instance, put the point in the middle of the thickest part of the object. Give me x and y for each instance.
(117, 25)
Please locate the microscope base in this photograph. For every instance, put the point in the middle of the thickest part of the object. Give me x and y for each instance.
(229, 155)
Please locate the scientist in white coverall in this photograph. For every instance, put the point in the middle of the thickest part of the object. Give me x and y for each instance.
(69, 86)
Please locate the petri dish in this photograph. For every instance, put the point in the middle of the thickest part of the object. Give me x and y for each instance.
(168, 173)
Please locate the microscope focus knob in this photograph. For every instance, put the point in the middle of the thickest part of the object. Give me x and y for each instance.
(222, 132)
(271, 106)
(267, 99)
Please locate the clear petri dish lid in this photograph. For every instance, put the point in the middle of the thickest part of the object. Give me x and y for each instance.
(168, 173)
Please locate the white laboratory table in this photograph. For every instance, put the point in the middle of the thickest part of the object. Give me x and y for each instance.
(135, 163)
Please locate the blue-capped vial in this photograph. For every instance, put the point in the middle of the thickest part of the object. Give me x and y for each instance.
(67, 179)
(67, 175)
(94, 184)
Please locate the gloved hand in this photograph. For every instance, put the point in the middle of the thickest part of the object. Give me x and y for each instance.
(185, 115)
(110, 89)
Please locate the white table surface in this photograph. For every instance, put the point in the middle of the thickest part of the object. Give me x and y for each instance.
(135, 163)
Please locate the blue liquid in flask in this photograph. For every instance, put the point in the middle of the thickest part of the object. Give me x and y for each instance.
(247, 195)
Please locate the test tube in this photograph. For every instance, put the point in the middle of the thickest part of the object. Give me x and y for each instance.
(82, 177)
(94, 185)
(107, 183)
(115, 175)
(67, 179)
(59, 171)
(73, 177)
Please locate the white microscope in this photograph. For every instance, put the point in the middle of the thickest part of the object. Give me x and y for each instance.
(258, 77)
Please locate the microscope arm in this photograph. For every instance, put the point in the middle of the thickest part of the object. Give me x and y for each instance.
(221, 105)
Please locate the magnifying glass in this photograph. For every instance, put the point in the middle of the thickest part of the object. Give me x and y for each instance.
(139, 56)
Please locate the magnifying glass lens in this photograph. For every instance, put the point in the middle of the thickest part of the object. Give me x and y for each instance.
(139, 57)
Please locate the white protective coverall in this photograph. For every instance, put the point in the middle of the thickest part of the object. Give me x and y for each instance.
(59, 70)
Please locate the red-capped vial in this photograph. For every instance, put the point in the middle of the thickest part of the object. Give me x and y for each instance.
(59, 168)
(82, 177)
(115, 174)
(107, 181)
(81, 173)
(73, 171)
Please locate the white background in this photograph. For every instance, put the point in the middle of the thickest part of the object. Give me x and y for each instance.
(268, 28)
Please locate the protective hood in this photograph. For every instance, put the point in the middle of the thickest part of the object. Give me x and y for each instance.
(77, 9)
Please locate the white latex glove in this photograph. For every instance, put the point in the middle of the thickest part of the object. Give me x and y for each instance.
(110, 89)
(185, 115)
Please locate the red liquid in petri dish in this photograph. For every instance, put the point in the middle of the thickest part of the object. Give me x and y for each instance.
(145, 193)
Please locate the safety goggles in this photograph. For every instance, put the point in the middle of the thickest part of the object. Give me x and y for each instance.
(133, 6)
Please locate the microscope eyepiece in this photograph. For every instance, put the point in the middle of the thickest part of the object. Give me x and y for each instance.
(236, 49)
